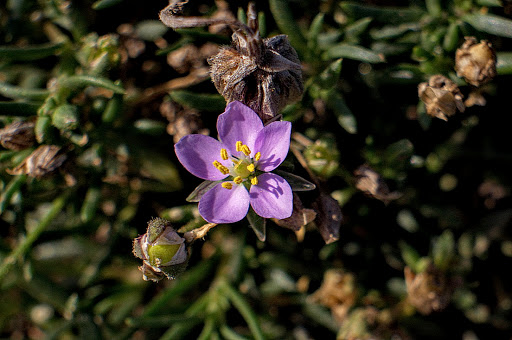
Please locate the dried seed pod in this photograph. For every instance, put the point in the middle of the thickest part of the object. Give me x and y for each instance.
(429, 290)
(476, 62)
(264, 74)
(162, 251)
(18, 135)
(441, 96)
(41, 162)
(370, 182)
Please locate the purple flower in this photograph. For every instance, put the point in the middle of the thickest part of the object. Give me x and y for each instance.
(241, 160)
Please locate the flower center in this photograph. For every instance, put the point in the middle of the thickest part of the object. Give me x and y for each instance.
(243, 169)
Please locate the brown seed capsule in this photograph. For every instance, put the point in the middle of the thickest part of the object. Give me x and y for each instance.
(41, 162)
(18, 135)
(429, 290)
(441, 96)
(264, 74)
(476, 62)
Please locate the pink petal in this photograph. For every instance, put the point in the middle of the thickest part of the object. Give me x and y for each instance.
(272, 197)
(273, 142)
(197, 154)
(221, 205)
(238, 123)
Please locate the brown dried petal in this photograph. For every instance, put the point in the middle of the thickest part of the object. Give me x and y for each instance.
(300, 216)
(429, 290)
(476, 62)
(40, 162)
(441, 96)
(328, 219)
(18, 135)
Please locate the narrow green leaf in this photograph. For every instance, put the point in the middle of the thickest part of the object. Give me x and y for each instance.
(288, 24)
(443, 250)
(150, 127)
(490, 23)
(102, 4)
(345, 116)
(451, 39)
(434, 7)
(79, 81)
(16, 92)
(387, 15)
(314, 30)
(18, 109)
(201, 102)
(392, 31)
(349, 51)
(150, 30)
(11, 188)
(504, 64)
(354, 30)
(90, 205)
(258, 224)
(29, 53)
(113, 109)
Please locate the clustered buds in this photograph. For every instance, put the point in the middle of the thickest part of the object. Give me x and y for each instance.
(18, 135)
(162, 251)
(476, 61)
(441, 96)
(42, 161)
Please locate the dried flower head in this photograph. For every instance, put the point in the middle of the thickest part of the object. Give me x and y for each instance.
(476, 61)
(441, 96)
(41, 162)
(338, 292)
(162, 251)
(265, 74)
(18, 135)
(429, 290)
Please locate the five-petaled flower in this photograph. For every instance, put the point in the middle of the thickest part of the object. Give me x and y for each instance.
(241, 160)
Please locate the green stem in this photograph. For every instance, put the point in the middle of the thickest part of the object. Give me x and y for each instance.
(33, 235)
(10, 190)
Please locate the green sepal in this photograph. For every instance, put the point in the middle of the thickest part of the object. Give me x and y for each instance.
(200, 190)
(297, 183)
(258, 224)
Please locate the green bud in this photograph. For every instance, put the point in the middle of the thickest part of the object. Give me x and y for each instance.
(65, 117)
(323, 157)
(162, 251)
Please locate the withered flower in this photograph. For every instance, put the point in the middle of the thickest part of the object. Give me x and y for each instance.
(476, 61)
(162, 251)
(370, 182)
(441, 96)
(429, 290)
(18, 135)
(40, 162)
(264, 74)
(338, 292)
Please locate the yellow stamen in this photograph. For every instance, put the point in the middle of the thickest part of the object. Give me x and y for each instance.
(227, 185)
(221, 167)
(257, 156)
(239, 146)
(245, 149)
(254, 181)
(224, 154)
(238, 180)
(251, 167)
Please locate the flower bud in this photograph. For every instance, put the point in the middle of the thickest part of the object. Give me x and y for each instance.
(476, 62)
(65, 117)
(17, 136)
(40, 162)
(441, 96)
(162, 251)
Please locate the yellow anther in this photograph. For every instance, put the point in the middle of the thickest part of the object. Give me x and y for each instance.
(224, 154)
(239, 146)
(238, 179)
(254, 181)
(251, 167)
(257, 156)
(227, 185)
(221, 167)
(245, 149)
